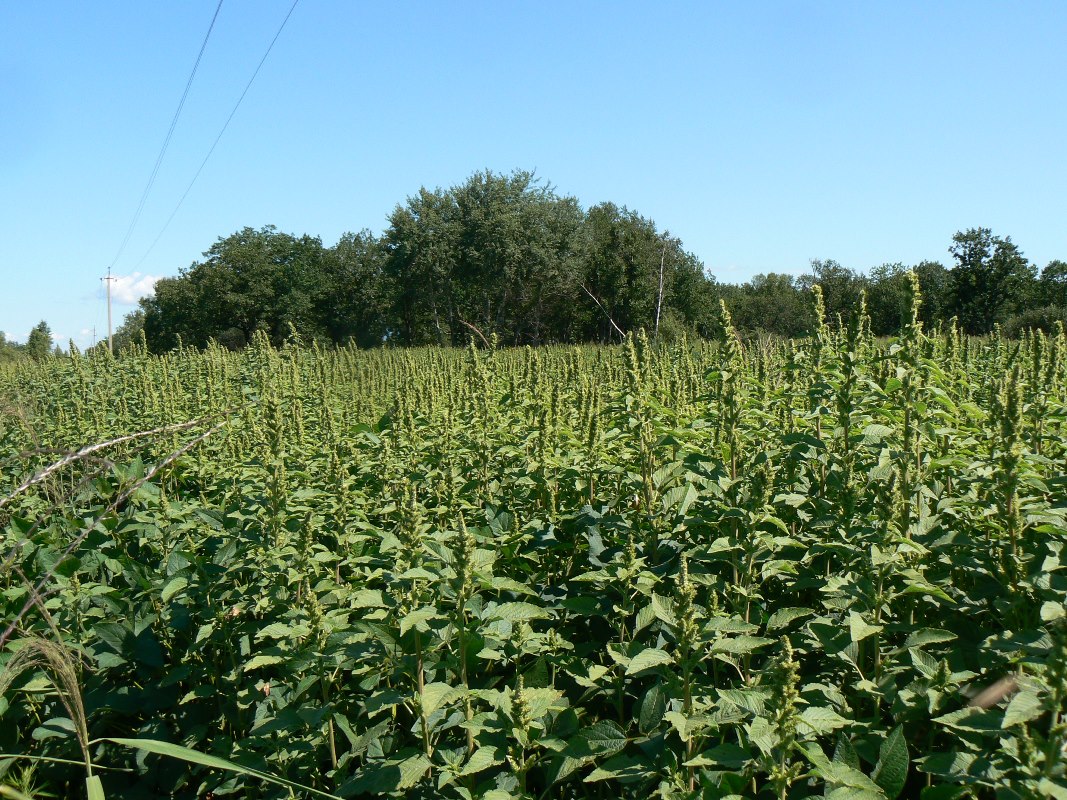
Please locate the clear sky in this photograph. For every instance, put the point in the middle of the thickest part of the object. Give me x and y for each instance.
(763, 134)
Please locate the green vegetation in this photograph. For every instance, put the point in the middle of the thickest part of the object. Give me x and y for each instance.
(508, 256)
(830, 567)
(38, 346)
(500, 255)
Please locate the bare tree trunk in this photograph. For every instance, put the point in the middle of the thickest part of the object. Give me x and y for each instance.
(659, 298)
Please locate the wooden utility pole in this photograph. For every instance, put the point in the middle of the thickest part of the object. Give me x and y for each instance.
(108, 280)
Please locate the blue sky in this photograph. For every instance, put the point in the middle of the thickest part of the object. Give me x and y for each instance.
(763, 134)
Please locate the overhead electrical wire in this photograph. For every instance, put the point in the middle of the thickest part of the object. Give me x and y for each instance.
(219, 137)
(166, 141)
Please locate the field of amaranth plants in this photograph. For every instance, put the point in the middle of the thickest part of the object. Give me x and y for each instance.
(830, 567)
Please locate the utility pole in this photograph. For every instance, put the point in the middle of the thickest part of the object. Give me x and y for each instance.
(108, 280)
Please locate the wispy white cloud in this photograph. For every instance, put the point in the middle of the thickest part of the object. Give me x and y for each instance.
(128, 289)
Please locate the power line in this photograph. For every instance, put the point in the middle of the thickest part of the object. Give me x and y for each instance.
(166, 140)
(217, 138)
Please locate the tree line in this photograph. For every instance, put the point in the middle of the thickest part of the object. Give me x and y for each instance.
(38, 345)
(507, 256)
(501, 255)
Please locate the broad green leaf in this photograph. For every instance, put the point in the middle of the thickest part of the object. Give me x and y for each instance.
(649, 658)
(853, 793)
(621, 768)
(384, 777)
(412, 770)
(845, 753)
(204, 631)
(725, 755)
(1051, 611)
(653, 707)
(953, 765)
(664, 609)
(837, 773)
(753, 700)
(417, 619)
(596, 672)
(972, 719)
(739, 645)
(729, 625)
(482, 759)
(539, 701)
(783, 616)
(279, 630)
(367, 598)
(566, 766)
(603, 738)
(1025, 706)
(94, 789)
(679, 499)
(417, 573)
(927, 589)
(518, 612)
(822, 720)
(891, 771)
(925, 636)
(1057, 791)
(859, 629)
(501, 584)
(436, 695)
(55, 727)
(764, 735)
(261, 661)
(173, 586)
(687, 726)
(874, 433)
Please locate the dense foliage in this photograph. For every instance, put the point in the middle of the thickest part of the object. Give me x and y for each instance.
(38, 345)
(500, 255)
(508, 256)
(825, 567)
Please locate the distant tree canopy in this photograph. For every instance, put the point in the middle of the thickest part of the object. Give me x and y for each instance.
(506, 255)
(992, 279)
(39, 343)
(250, 281)
(500, 255)
(10, 351)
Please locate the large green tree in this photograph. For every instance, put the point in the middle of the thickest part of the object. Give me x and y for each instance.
(253, 280)
(935, 283)
(841, 288)
(992, 279)
(355, 295)
(622, 257)
(888, 298)
(1053, 284)
(496, 254)
(774, 303)
(39, 343)
(129, 333)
